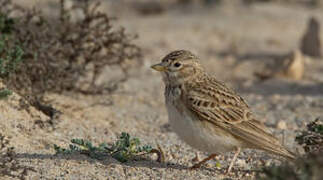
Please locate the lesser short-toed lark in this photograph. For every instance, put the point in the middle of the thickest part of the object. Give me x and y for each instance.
(209, 116)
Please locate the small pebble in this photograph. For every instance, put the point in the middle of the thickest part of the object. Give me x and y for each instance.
(241, 162)
(281, 125)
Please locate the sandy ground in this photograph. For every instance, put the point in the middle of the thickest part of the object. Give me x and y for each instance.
(232, 41)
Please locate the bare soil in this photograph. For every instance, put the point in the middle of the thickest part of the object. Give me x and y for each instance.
(233, 41)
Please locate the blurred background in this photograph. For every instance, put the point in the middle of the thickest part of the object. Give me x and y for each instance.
(81, 68)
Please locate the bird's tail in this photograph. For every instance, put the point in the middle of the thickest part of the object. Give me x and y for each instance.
(262, 139)
(281, 151)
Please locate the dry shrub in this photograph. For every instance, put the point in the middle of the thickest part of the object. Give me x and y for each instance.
(312, 138)
(308, 167)
(60, 51)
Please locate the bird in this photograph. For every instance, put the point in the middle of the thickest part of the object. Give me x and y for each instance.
(208, 115)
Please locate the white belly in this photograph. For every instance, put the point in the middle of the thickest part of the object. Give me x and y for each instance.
(193, 133)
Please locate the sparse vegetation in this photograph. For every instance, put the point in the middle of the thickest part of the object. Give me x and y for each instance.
(4, 93)
(126, 148)
(10, 50)
(10, 55)
(59, 52)
(304, 168)
(60, 55)
(312, 138)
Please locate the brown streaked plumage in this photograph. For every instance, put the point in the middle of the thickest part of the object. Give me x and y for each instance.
(208, 115)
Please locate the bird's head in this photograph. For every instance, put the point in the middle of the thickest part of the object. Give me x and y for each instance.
(179, 66)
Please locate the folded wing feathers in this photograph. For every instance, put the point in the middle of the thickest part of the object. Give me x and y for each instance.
(224, 108)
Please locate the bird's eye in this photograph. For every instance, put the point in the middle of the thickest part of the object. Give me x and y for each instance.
(177, 64)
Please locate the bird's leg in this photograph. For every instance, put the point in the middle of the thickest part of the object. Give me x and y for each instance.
(196, 158)
(197, 165)
(233, 160)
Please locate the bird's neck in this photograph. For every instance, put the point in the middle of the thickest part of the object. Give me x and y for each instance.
(185, 81)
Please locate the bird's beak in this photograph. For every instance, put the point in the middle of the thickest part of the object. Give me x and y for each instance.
(159, 67)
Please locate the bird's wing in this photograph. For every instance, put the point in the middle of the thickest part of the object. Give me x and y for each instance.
(213, 102)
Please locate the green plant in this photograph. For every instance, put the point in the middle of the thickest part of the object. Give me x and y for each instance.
(10, 57)
(6, 24)
(4, 93)
(124, 149)
(10, 53)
